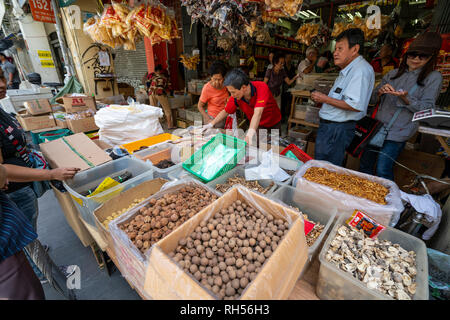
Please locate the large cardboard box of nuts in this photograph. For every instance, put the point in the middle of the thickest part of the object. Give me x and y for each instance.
(124, 201)
(76, 103)
(30, 122)
(130, 259)
(82, 125)
(166, 280)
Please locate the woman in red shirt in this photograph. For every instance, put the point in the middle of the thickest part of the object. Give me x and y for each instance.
(254, 99)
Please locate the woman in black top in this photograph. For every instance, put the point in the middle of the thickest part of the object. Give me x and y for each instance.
(14, 157)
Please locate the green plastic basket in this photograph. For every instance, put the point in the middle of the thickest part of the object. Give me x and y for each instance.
(228, 141)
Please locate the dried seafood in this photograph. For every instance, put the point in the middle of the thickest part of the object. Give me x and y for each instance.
(379, 264)
(252, 185)
(350, 184)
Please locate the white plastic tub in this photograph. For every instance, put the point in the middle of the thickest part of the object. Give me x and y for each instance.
(141, 171)
(336, 284)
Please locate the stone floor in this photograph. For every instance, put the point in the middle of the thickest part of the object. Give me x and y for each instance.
(67, 249)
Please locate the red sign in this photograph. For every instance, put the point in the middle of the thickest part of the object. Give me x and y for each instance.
(42, 11)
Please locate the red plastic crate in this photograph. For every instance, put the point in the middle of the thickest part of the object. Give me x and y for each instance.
(299, 153)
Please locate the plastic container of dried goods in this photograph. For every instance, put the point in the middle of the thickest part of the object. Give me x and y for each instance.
(239, 171)
(132, 262)
(160, 152)
(312, 114)
(336, 284)
(386, 214)
(316, 213)
(300, 133)
(86, 180)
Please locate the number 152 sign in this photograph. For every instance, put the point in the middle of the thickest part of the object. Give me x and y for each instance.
(42, 11)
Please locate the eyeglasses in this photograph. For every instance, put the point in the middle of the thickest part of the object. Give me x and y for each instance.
(412, 55)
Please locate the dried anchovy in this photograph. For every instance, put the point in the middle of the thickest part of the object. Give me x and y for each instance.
(349, 184)
(252, 185)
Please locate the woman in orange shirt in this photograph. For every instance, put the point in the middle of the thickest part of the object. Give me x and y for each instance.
(214, 94)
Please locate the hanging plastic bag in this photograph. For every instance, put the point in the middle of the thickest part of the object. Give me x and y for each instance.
(231, 124)
(124, 124)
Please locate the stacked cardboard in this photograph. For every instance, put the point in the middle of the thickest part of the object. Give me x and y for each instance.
(38, 115)
(78, 107)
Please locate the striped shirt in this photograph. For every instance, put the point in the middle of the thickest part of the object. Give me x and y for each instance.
(15, 230)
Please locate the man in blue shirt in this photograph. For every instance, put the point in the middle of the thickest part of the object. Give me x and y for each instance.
(348, 99)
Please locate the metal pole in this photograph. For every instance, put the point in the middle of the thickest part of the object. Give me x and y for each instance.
(62, 43)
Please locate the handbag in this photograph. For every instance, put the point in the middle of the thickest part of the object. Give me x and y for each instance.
(365, 129)
(38, 161)
(379, 138)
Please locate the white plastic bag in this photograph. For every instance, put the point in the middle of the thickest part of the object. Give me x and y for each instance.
(124, 124)
(387, 215)
(268, 169)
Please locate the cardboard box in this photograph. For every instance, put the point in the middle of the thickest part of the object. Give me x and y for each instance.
(102, 144)
(37, 107)
(29, 122)
(70, 151)
(166, 280)
(123, 201)
(82, 125)
(61, 123)
(72, 216)
(310, 149)
(77, 103)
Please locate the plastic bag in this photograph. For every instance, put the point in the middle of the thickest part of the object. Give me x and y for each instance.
(388, 214)
(268, 169)
(439, 274)
(166, 280)
(124, 124)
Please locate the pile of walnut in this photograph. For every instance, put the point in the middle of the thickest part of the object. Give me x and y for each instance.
(226, 253)
(161, 216)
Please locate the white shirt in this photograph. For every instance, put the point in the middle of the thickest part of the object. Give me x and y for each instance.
(354, 86)
(302, 66)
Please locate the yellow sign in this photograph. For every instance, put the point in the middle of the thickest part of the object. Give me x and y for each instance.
(47, 64)
(44, 54)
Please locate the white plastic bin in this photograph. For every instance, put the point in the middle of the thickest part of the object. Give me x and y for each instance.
(141, 171)
(239, 170)
(161, 151)
(336, 284)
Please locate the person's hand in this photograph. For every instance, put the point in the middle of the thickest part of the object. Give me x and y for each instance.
(399, 93)
(249, 137)
(387, 88)
(62, 174)
(319, 97)
(207, 126)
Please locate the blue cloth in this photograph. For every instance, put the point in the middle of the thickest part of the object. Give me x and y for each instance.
(384, 165)
(16, 231)
(354, 86)
(332, 140)
(27, 202)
